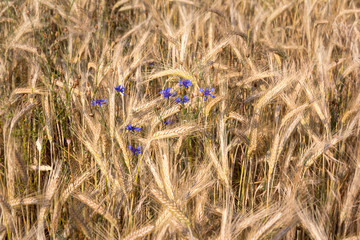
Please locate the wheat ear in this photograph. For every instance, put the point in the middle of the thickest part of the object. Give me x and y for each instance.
(96, 207)
(175, 132)
(170, 206)
(142, 232)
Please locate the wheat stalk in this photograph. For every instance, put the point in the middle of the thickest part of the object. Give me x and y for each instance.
(9, 219)
(48, 195)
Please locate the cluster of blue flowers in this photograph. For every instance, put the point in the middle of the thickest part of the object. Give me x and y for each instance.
(132, 128)
(99, 102)
(167, 122)
(186, 83)
(183, 100)
(167, 94)
(104, 101)
(135, 151)
(120, 89)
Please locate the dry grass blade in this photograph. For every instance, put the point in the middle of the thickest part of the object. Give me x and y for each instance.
(12, 160)
(121, 143)
(81, 223)
(315, 228)
(275, 91)
(49, 127)
(243, 221)
(321, 147)
(9, 220)
(154, 171)
(280, 141)
(283, 216)
(165, 172)
(19, 115)
(48, 195)
(65, 195)
(267, 226)
(103, 165)
(351, 238)
(351, 194)
(112, 113)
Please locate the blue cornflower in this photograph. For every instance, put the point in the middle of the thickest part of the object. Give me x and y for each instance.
(135, 150)
(120, 89)
(207, 93)
(167, 93)
(186, 83)
(167, 122)
(132, 128)
(182, 100)
(99, 102)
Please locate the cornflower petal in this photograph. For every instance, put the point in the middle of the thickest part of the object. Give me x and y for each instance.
(186, 83)
(167, 93)
(120, 89)
(207, 93)
(183, 100)
(135, 151)
(132, 128)
(99, 102)
(103, 102)
(167, 122)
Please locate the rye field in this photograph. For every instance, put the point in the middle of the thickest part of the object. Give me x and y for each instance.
(180, 119)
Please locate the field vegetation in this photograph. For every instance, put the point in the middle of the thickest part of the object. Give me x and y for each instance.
(179, 119)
